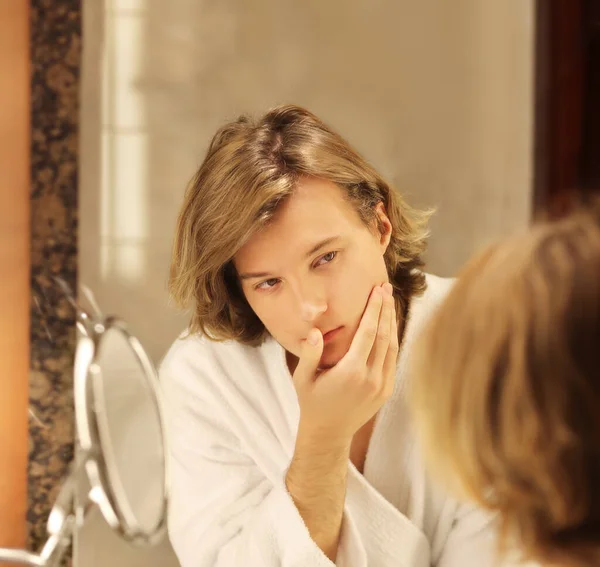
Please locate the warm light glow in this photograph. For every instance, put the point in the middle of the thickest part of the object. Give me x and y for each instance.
(124, 201)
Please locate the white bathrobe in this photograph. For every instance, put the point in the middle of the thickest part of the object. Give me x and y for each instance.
(232, 421)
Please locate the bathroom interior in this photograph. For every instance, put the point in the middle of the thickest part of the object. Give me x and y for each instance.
(486, 111)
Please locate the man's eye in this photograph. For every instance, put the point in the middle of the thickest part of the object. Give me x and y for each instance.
(267, 284)
(329, 257)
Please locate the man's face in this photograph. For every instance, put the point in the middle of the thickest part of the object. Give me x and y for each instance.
(293, 286)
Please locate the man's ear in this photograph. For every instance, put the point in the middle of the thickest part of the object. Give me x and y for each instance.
(383, 225)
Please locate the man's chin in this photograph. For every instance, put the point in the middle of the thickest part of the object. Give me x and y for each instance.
(331, 357)
(328, 363)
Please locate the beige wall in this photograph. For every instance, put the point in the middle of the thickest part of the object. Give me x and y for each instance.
(437, 94)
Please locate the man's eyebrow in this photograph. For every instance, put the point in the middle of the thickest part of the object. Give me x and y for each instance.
(314, 249)
(322, 244)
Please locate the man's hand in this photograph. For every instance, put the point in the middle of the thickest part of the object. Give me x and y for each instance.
(336, 403)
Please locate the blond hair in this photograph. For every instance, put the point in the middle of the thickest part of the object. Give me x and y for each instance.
(251, 168)
(506, 388)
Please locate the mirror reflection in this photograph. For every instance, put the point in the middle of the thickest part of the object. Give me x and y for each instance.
(130, 429)
(432, 106)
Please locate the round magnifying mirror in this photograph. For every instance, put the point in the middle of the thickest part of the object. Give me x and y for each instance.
(122, 429)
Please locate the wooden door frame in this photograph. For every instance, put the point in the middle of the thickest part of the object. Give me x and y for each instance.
(15, 268)
(559, 79)
(567, 114)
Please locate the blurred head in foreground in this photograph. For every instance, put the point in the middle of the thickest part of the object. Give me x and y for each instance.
(506, 389)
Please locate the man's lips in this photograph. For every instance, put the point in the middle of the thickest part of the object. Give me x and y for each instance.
(331, 334)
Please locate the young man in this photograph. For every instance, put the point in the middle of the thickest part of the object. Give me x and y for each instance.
(507, 389)
(290, 440)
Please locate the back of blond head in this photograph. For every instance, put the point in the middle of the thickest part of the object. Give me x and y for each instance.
(507, 388)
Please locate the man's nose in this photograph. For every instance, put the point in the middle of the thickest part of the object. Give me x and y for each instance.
(312, 303)
(311, 310)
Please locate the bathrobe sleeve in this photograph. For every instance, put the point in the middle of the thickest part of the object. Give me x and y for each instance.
(225, 512)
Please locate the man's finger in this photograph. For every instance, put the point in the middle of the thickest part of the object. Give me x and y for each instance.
(391, 358)
(308, 363)
(363, 340)
(382, 341)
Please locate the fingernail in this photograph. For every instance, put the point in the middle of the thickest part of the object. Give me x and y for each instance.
(313, 337)
(388, 288)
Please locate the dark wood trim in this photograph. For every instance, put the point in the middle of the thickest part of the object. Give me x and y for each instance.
(559, 83)
(590, 159)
